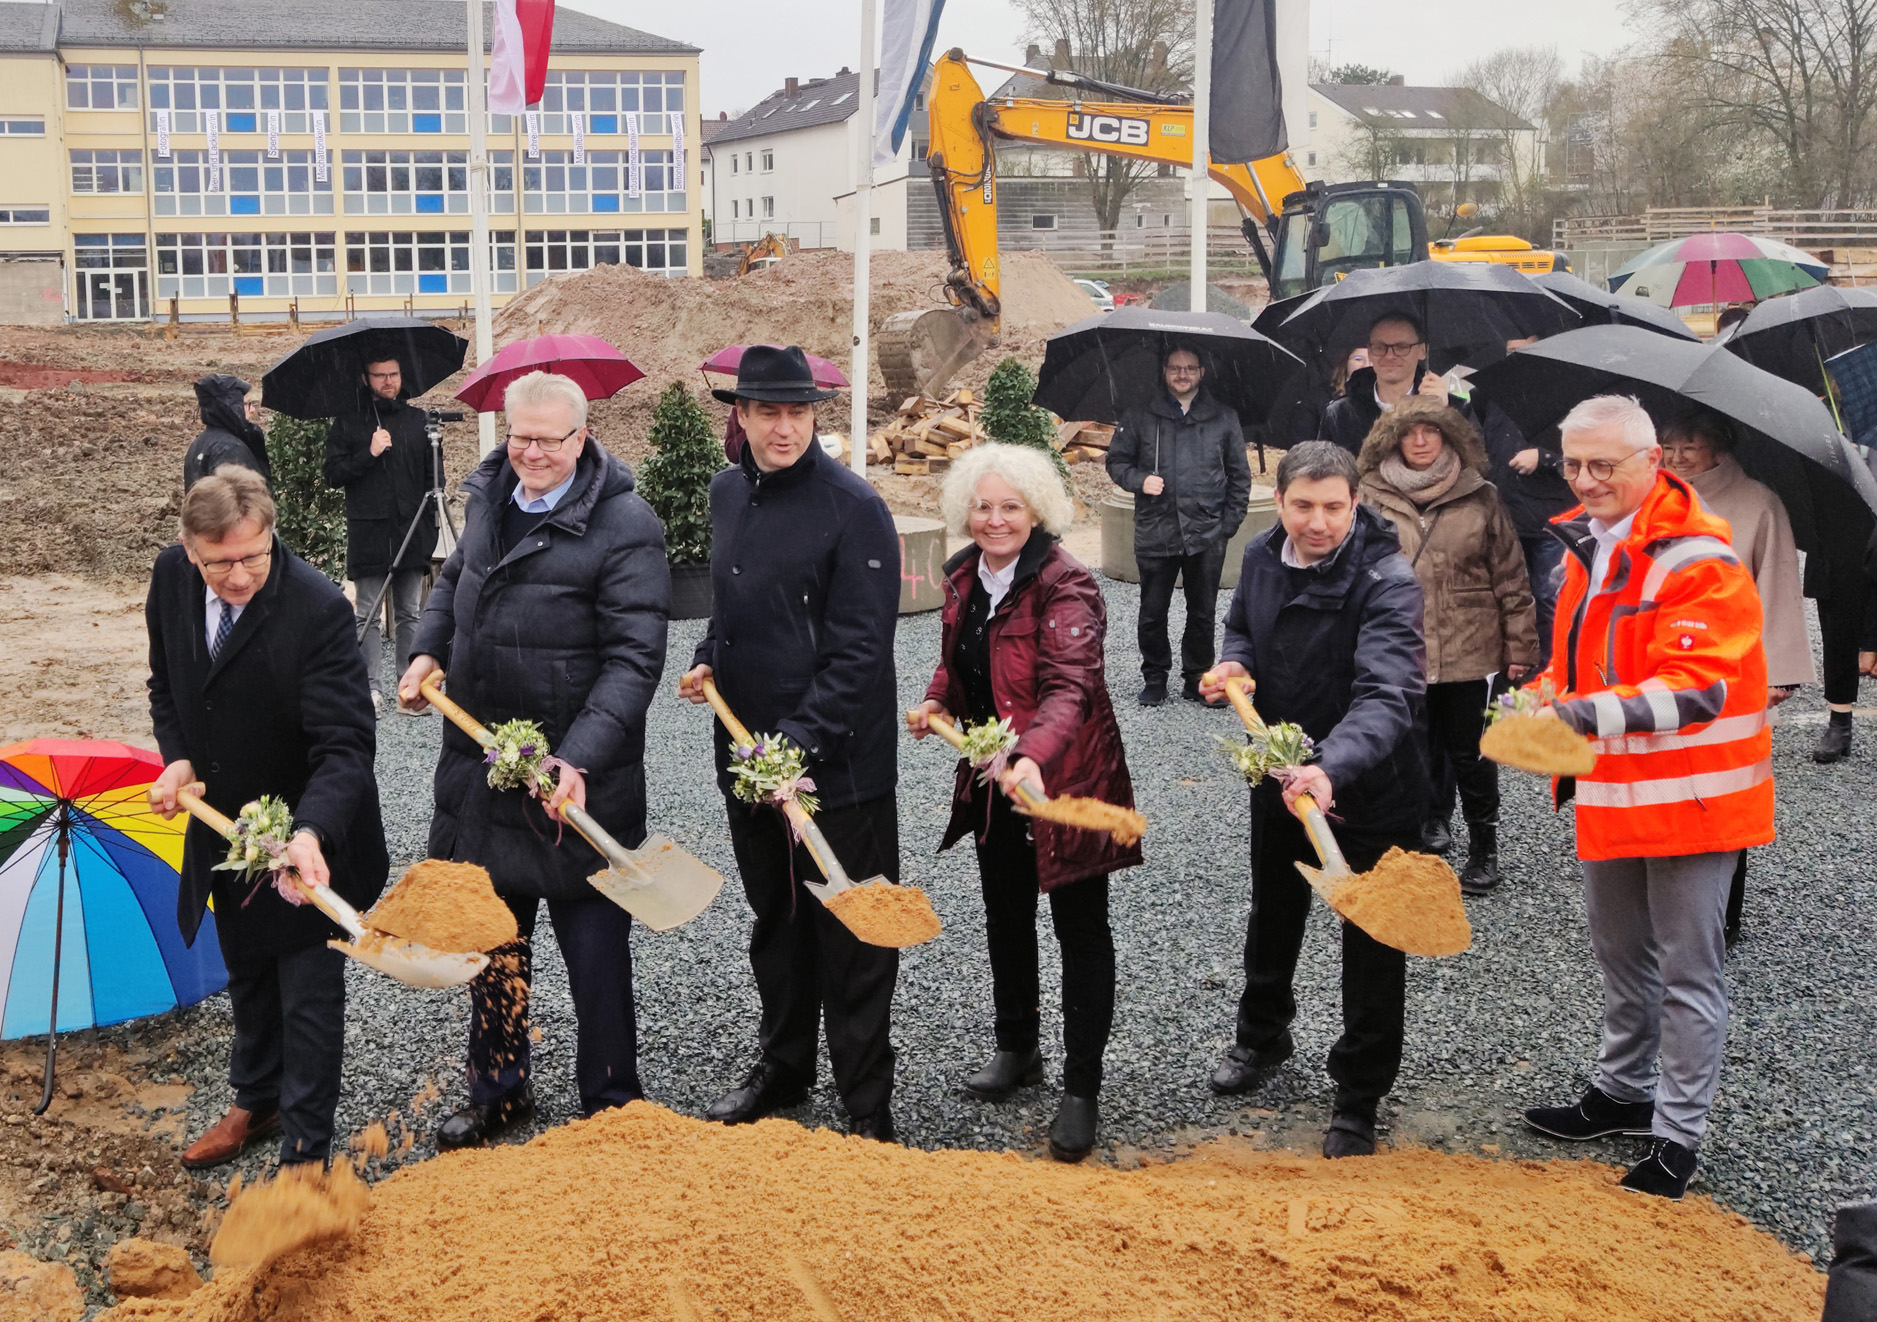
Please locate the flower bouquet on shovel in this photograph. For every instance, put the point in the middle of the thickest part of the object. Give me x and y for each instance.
(1517, 736)
(770, 770)
(1272, 750)
(987, 747)
(257, 847)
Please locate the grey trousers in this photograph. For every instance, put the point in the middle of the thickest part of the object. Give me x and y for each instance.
(407, 604)
(1656, 926)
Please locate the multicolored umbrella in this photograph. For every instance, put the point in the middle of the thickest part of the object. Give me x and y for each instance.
(1717, 268)
(88, 882)
(724, 363)
(593, 364)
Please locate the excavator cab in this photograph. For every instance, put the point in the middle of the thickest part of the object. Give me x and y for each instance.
(1329, 230)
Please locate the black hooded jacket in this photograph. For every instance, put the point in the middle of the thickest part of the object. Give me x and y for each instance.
(227, 436)
(1337, 648)
(383, 492)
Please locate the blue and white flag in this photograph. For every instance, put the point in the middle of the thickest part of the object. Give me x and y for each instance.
(909, 29)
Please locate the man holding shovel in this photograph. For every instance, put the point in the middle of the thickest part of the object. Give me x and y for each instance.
(1326, 621)
(1657, 658)
(805, 595)
(552, 610)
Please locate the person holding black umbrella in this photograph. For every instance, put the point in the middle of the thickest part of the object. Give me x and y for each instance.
(1182, 454)
(1397, 355)
(378, 454)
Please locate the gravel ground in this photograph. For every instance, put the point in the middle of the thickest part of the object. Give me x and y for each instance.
(1513, 1022)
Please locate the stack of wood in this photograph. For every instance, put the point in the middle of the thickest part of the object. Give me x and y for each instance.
(1084, 442)
(926, 434)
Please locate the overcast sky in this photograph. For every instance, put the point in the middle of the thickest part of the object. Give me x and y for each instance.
(750, 46)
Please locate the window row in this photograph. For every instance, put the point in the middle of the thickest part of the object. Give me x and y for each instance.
(243, 96)
(422, 183)
(603, 184)
(746, 162)
(606, 97)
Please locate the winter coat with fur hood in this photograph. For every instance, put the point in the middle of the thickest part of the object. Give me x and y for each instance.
(1465, 551)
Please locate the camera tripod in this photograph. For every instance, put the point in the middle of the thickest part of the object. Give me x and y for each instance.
(433, 498)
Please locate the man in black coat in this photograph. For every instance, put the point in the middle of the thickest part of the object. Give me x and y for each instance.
(256, 688)
(1182, 454)
(805, 596)
(1326, 620)
(230, 434)
(551, 609)
(1397, 368)
(381, 457)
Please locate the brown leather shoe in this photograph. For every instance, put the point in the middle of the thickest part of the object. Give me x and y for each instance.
(231, 1134)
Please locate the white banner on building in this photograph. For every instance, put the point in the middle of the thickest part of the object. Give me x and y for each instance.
(677, 179)
(162, 133)
(321, 173)
(533, 118)
(273, 134)
(633, 166)
(578, 123)
(212, 125)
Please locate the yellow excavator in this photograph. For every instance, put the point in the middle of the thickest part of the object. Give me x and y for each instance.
(1317, 233)
(763, 254)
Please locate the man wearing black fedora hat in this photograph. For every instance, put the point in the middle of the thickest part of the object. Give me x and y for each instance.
(805, 595)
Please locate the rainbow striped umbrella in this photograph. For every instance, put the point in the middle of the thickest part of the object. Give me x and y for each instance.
(1717, 268)
(88, 882)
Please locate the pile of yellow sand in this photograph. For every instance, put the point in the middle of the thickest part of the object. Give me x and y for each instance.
(639, 1213)
(446, 906)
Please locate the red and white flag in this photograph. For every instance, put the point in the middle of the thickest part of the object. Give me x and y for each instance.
(518, 55)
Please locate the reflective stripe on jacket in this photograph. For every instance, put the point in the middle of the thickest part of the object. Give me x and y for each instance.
(1662, 668)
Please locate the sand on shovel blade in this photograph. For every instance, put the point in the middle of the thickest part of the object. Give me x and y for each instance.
(882, 914)
(1408, 901)
(445, 906)
(1538, 744)
(1125, 825)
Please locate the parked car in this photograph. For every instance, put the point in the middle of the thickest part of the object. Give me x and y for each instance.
(1098, 291)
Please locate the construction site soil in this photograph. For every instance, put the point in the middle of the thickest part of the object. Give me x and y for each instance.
(643, 1213)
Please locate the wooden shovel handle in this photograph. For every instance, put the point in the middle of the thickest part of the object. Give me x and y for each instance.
(1238, 688)
(469, 725)
(213, 818)
(319, 896)
(738, 732)
(805, 829)
(1032, 796)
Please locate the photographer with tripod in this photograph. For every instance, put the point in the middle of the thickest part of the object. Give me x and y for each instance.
(381, 456)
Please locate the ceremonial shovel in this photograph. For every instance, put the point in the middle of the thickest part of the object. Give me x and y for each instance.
(1315, 825)
(409, 962)
(658, 883)
(1125, 825)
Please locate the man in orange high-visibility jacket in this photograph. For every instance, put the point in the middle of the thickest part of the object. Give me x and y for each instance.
(1656, 657)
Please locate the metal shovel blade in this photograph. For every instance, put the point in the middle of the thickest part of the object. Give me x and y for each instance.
(412, 964)
(659, 883)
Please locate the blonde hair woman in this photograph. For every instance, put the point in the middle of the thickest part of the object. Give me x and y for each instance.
(1021, 640)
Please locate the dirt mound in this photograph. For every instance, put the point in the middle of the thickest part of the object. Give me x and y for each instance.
(302, 1205)
(446, 906)
(142, 1269)
(39, 376)
(770, 1220)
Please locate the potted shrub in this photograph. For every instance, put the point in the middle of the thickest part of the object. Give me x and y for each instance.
(1009, 416)
(675, 482)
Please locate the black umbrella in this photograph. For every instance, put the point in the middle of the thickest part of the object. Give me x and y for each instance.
(1791, 336)
(1101, 366)
(1787, 437)
(1466, 310)
(324, 377)
(1599, 307)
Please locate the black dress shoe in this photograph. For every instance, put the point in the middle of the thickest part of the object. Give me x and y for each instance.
(878, 1127)
(1241, 1069)
(476, 1124)
(1350, 1134)
(1435, 837)
(1666, 1172)
(1153, 694)
(765, 1089)
(1595, 1115)
(1190, 692)
(1834, 745)
(1072, 1135)
(1004, 1073)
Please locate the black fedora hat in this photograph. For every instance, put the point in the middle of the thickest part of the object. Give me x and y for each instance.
(775, 375)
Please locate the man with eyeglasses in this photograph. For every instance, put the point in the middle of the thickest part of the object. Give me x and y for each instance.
(256, 688)
(1397, 368)
(1656, 658)
(1182, 454)
(380, 456)
(551, 609)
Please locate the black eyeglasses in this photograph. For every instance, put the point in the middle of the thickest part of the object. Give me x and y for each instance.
(548, 444)
(254, 564)
(1602, 470)
(1393, 350)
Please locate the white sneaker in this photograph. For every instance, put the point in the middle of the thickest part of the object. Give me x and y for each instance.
(377, 702)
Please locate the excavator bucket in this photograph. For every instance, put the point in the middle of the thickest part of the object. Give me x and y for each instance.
(920, 351)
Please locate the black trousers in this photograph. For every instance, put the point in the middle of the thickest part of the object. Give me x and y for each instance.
(1367, 1057)
(1737, 893)
(595, 942)
(1456, 718)
(1079, 913)
(1840, 636)
(289, 1013)
(808, 966)
(1158, 572)
(1544, 560)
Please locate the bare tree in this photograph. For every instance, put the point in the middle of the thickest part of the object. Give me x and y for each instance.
(1523, 82)
(1372, 150)
(1137, 43)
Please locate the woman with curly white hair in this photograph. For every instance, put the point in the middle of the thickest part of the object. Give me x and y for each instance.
(1021, 641)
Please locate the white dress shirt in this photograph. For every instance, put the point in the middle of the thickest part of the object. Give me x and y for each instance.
(212, 614)
(997, 582)
(1609, 537)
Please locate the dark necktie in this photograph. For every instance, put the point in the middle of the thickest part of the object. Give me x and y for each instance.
(223, 629)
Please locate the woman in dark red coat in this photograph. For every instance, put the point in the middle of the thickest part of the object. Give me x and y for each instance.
(1021, 640)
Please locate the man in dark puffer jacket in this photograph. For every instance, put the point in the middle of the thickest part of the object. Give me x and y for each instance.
(552, 609)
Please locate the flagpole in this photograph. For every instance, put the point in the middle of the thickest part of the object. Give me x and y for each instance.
(479, 211)
(863, 241)
(1202, 137)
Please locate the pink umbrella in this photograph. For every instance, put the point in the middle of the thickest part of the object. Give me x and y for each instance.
(595, 365)
(724, 363)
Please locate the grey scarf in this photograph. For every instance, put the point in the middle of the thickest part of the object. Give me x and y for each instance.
(1423, 486)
